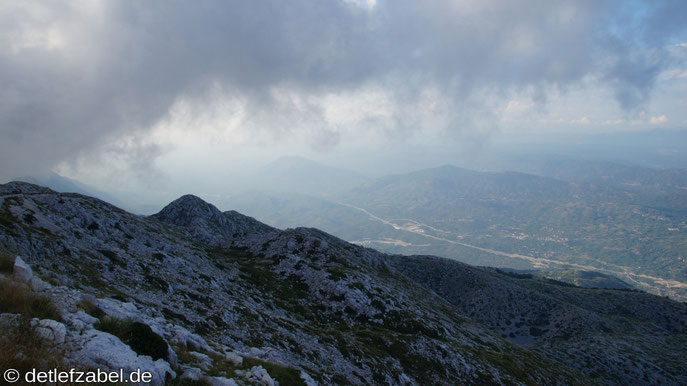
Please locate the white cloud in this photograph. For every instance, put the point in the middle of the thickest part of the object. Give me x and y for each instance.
(658, 120)
(581, 121)
(674, 74)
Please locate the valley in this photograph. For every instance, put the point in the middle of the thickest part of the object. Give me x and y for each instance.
(508, 219)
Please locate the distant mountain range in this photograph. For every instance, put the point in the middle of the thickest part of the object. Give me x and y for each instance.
(221, 298)
(595, 216)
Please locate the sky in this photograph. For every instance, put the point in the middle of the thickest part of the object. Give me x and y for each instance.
(162, 95)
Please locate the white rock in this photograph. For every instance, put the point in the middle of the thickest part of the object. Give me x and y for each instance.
(172, 357)
(84, 317)
(308, 379)
(259, 376)
(22, 270)
(219, 381)
(80, 320)
(234, 358)
(255, 352)
(205, 362)
(192, 373)
(178, 334)
(118, 309)
(38, 285)
(50, 330)
(102, 350)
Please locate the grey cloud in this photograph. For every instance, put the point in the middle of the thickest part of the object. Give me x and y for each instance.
(121, 69)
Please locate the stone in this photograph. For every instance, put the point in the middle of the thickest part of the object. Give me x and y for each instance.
(80, 320)
(219, 381)
(38, 285)
(234, 358)
(49, 329)
(192, 373)
(22, 271)
(259, 376)
(190, 340)
(205, 362)
(308, 379)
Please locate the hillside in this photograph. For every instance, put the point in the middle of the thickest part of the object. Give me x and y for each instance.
(586, 279)
(235, 298)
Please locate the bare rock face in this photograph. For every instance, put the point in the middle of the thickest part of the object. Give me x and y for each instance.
(204, 222)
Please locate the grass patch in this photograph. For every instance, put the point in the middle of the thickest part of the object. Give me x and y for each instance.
(6, 262)
(139, 336)
(17, 298)
(91, 309)
(283, 375)
(23, 350)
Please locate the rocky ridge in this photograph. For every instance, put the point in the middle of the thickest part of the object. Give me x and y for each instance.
(237, 301)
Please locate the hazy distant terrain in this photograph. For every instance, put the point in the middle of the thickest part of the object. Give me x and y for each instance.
(625, 221)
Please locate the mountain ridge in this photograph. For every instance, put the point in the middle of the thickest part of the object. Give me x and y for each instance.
(312, 303)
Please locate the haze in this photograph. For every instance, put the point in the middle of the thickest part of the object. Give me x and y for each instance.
(149, 100)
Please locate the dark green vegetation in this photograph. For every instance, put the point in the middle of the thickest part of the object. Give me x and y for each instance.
(139, 336)
(586, 279)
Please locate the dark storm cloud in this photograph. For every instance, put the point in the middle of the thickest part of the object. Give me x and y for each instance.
(77, 75)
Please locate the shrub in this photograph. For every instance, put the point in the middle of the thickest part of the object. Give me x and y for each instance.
(18, 298)
(139, 336)
(6, 262)
(22, 349)
(91, 309)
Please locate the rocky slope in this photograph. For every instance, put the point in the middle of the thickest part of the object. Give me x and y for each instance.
(234, 301)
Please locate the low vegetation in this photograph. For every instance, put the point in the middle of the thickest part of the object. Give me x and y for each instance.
(23, 350)
(139, 336)
(17, 298)
(6, 262)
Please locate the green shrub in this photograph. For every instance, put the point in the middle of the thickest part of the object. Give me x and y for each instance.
(139, 336)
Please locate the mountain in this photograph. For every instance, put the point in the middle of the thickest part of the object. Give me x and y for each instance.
(63, 184)
(217, 295)
(665, 188)
(586, 279)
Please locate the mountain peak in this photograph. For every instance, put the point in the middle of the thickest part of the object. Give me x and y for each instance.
(188, 210)
(202, 220)
(21, 187)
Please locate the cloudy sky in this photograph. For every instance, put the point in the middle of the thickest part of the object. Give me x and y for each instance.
(147, 92)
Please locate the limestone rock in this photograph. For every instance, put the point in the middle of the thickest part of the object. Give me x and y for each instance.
(22, 271)
(257, 375)
(49, 329)
(219, 381)
(192, 373)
